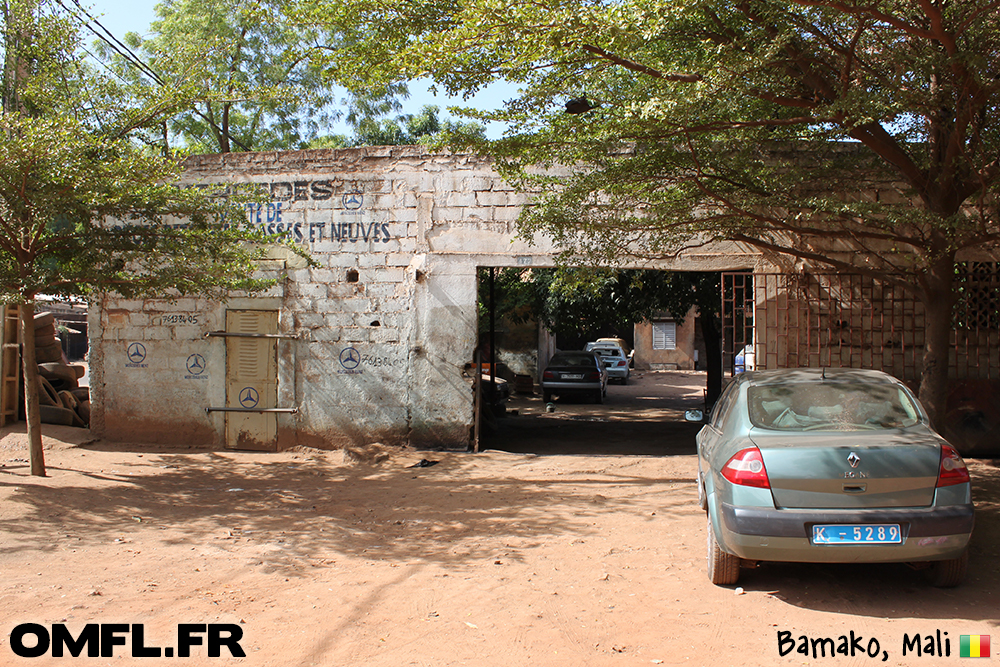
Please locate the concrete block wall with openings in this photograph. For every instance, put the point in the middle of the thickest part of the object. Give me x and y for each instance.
(370, 345)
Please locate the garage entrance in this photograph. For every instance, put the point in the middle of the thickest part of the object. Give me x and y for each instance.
(526, 315)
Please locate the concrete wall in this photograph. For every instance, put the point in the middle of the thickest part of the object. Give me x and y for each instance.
(398, 235)
(681, 358)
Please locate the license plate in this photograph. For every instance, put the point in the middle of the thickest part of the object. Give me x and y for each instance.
(572, 376)
(867, 533)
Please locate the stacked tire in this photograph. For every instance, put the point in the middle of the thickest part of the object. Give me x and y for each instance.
(61, 399)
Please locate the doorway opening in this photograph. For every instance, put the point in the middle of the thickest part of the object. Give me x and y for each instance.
(526, 315)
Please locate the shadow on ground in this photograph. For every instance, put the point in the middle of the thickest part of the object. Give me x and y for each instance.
(312, 510)
(894, 590)
(589, 437)
(643, 418)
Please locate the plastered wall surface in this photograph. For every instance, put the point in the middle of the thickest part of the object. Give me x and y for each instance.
(375, 338)
(679, 358)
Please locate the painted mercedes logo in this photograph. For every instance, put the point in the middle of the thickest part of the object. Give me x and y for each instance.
(854, 460)
(196, 364)
(136, 353)
(353, 201)
(249, 397)
(349, 358)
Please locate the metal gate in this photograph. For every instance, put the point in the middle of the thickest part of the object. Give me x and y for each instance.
(850, 320)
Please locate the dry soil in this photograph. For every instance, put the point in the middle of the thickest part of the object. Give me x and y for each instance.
(589, 550)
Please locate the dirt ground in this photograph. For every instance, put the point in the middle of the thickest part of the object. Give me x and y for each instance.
(573, 539)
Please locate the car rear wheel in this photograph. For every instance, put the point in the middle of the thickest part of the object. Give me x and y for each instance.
(948, 573)
(723, 568)
(599, 396)
(546, 397)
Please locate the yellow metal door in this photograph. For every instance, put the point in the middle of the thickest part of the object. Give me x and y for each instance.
(251, 379)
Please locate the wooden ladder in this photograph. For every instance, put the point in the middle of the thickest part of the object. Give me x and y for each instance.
(10, 367)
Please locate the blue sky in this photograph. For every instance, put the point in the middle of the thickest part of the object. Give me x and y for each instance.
(121, 16)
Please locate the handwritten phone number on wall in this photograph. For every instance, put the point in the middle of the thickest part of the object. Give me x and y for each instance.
(179, 318)
(376, 362)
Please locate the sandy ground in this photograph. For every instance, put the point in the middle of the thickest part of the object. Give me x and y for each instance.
(591, 552)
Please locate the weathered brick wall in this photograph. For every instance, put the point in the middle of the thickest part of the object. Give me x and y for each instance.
(397, 234)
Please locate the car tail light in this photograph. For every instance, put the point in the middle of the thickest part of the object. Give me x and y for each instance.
(594, 375)
(953, 470)
(621, 362)
(746, 468)
(548, 375)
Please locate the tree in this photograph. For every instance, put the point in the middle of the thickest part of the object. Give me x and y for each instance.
(244, 65)
(858, 136)
(410, 129)
(84, 208)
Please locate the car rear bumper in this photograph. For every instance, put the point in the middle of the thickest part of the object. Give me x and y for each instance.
(618, 373)
(933, 533)
(569, 387)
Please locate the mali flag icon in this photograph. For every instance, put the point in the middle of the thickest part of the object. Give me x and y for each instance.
(975, 646)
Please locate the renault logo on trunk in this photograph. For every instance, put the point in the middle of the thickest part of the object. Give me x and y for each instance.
(854, 460)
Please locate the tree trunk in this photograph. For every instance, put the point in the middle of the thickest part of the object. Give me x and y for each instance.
(939, 299)
(713, 360)
(26, 313)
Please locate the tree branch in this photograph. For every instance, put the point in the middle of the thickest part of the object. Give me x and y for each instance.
(895, 22)
(642, 69)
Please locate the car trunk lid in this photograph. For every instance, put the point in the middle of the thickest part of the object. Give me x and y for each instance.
(885, 468)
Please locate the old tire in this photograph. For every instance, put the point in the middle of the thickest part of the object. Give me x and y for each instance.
(51, 414)
(723, 568)
(48, 354)
(68, 400)
(948, 573)
(81, 393)
(44, 319)
(45, 341)
(60, 375)
(46, 331)
(47, 395)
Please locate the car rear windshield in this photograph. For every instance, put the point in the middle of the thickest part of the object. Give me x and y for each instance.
(830, 406)
(572, 360)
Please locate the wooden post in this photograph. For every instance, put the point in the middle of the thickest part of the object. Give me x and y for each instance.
(477, 401)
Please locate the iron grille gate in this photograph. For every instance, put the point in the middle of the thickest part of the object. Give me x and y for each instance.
(850, 320)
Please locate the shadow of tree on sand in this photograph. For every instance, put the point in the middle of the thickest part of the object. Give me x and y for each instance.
(287, 514)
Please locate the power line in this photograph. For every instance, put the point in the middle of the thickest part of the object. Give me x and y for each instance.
(117, 46)
(114, 43)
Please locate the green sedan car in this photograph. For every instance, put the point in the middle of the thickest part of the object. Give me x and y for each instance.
(830, 466)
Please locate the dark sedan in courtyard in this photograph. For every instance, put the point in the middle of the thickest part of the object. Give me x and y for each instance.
(575, 374)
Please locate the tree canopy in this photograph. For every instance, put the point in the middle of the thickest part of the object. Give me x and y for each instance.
(403, 130)
(408, 129)
(858, 136)
(244, 69)
(85, 208)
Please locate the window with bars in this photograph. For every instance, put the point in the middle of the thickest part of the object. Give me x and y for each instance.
(664, 335)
